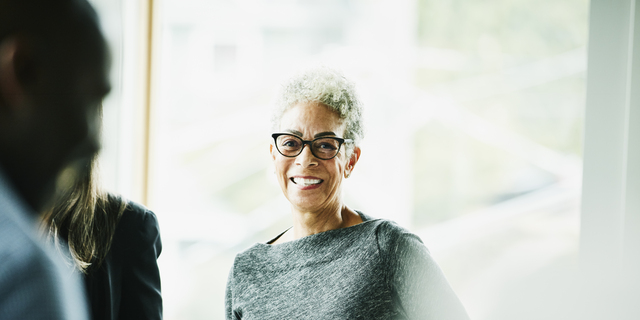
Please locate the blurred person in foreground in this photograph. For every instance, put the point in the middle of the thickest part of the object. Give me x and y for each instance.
(53, 75)
(114, 243)
(334, 262)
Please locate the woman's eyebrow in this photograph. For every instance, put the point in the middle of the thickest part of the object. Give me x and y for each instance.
(324, 134)
(294, 132)
(317, 135)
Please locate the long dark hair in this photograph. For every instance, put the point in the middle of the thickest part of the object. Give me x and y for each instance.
(86, 217)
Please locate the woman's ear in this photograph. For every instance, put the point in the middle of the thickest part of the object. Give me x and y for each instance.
(273, 155)
(353, 159)
(11, 90)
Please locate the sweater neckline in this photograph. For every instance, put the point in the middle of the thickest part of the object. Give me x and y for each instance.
(365, 218)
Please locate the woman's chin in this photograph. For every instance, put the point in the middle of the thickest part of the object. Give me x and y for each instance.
(306, 204)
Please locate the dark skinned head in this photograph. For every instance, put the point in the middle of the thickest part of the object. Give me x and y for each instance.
(53, 76)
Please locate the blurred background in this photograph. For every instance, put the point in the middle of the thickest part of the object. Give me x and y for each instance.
(479, 106)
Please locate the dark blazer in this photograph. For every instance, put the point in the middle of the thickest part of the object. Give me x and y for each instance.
(127, 284)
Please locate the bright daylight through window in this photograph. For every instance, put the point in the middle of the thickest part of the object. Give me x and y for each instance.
(481, 103)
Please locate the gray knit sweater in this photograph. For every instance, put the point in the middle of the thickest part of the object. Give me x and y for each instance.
(373, 270)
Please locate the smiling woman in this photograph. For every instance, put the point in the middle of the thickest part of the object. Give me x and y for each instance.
(312, 184)
(334, 262)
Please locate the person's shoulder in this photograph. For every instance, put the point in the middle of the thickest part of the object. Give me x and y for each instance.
(138, 226)
(136, 216)
(389, 233)
(254, 252)
(384, 227)
(32, 271)
(389, 229)
(19, 243)
(19, 247)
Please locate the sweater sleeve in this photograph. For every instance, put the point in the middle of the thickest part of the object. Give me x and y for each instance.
(228, 302)
(419, 286)
(141, 295)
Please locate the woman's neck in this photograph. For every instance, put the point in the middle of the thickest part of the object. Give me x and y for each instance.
(308, 223)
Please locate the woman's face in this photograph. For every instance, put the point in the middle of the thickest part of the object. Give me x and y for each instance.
(311, 184)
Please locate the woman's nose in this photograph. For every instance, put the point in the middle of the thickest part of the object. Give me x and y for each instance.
(306, 157)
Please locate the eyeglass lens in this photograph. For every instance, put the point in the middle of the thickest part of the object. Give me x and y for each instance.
(323, 148)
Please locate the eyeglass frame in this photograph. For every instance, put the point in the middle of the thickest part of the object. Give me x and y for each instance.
(341, 141)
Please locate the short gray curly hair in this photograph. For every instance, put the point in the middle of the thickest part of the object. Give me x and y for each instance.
(326, 86)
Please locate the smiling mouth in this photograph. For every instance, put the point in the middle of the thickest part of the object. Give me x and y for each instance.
(306, 182)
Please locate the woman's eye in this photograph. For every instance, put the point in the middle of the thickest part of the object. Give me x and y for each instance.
(328, 146)
(290, 143)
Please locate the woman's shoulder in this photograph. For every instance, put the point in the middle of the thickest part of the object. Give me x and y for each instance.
(134, 214)
(137, 223)
(390, 234)
(383, 226)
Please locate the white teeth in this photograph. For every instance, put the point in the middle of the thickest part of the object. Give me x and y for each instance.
(306, 182)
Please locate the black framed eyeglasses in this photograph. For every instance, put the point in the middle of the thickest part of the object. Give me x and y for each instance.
(324, 148)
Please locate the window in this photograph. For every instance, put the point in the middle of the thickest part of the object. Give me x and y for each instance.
(484, 101)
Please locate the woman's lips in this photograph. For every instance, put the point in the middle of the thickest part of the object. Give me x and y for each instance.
(306, 183)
